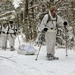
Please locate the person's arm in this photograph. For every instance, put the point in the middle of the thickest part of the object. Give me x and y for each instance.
(61, 22)
(43, 23)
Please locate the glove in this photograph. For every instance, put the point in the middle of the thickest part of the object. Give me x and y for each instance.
(15, 33)
(45, 29)
(7, 32)
(0, 32)
(65, 24)
(15, 29)
(3, 32)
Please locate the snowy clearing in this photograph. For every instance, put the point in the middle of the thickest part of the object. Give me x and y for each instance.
(17, 64)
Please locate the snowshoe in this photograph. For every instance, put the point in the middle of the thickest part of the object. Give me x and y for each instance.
(51, 57)
(55, 58)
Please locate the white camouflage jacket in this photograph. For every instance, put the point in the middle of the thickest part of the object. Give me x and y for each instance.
(51, 23)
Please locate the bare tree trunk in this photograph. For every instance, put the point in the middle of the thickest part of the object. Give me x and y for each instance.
(26, 9)
(32, 2)
(25, 19)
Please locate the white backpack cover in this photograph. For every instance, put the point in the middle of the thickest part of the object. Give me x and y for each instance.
(26, 50)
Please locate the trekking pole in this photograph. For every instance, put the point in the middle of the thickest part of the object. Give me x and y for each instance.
(42, 39)
(38, 52)
(65, 24)
(66, 47)
(6, 41)
(19, 40)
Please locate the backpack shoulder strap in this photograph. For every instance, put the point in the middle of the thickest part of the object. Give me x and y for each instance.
(1, 27)
(49, 18)
(8, 27)
(56, 20)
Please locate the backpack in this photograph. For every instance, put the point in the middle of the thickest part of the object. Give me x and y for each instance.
(41, 16)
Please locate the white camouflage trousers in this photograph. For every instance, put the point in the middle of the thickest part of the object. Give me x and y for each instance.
(11, 39)
(50, 42)
(4, 39)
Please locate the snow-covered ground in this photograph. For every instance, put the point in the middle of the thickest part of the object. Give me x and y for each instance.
(16, 64)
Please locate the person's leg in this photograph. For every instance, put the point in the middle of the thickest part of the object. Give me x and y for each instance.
(4, 41)
(50, 41)
(11, 40)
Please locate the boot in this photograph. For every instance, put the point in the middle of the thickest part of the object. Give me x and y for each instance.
(51, 57)
(12, 48)
(3, 47)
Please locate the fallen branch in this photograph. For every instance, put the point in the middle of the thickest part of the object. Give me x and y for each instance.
(33, 6)
(7, 58)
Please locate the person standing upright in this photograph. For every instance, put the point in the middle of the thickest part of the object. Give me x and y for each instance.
(11, 34)
(51, 31)
(4, 35)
